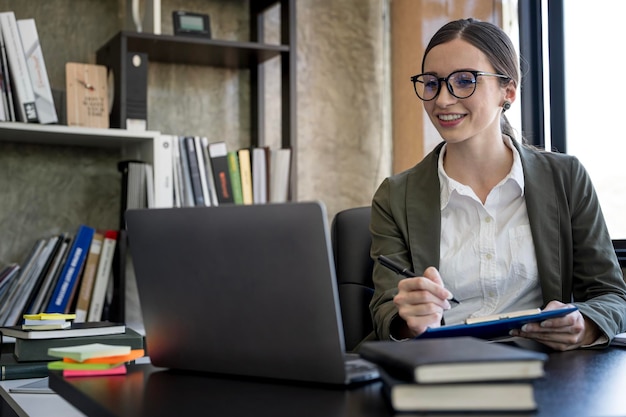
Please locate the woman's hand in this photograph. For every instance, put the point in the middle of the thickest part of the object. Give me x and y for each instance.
(421, 302)
(562, 333)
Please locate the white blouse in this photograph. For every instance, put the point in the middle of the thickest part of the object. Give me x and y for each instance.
(487, 253)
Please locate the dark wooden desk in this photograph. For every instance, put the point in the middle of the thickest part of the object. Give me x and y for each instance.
(579, 383)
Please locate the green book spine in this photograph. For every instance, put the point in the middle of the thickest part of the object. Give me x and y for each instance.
(235, 177)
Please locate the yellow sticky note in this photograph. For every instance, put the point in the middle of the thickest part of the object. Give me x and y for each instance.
(50, 316)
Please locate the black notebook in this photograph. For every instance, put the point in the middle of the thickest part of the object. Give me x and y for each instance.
(456, 359)
(458, 397)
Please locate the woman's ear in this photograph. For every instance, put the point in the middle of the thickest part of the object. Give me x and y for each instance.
(510, 92)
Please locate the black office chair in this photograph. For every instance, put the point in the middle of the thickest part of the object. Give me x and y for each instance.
(351, 241)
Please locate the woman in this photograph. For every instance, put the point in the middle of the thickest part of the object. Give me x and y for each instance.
(502, 226)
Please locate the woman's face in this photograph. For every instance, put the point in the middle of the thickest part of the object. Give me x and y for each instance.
(456, 119)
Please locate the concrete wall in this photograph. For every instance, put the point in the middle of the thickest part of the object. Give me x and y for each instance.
(343, 139)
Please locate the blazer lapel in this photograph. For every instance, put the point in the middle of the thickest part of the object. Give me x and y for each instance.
(543, 214)
(424, 214)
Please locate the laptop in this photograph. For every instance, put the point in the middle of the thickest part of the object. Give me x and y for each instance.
(245, 290)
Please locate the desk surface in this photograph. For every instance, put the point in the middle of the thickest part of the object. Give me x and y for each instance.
(578, 383)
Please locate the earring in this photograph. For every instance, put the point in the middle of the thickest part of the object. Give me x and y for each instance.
(506, 106)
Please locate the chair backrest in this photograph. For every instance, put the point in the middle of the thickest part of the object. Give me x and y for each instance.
(351, 241)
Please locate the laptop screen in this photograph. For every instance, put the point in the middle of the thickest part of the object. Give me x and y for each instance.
(239, 289)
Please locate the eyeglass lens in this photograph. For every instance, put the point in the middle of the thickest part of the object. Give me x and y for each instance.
(460, 84)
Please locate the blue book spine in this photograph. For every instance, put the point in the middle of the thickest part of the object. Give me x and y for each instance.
(71, 270)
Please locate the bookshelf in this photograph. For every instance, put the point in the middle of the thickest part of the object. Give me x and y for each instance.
(53, 150)
(224, 54)
(36, 142)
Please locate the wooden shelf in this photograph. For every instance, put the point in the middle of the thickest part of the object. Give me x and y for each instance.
(198, 51)
(71, 136)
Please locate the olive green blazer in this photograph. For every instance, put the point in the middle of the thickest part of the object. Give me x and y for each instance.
(575, 255)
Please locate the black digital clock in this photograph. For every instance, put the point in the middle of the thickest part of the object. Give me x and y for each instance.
(191, 24)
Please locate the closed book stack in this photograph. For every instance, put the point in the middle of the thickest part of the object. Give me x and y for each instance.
(461, 374)
(27, 350)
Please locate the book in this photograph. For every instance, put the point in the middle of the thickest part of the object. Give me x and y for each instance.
(245, 171)
(100, 328)
(24, 94)
(23, 370)
(260, 171)
(91, 350)
(138, 184)
(115, 298)
(194, 170)
(134, 186)
(62, 295)
(204, 145)
(163, 172)
(457, 359)
(235, 176)
(37, 71)
(3, 104)
(498, 327)
(280, 174)
(458, 397)
(187, 186)
(89, 277)
(5, 83)
(8, 311)
(149, 175)
(105, 264)
(33, 282)
(7, 275)
(49, 282)
(177, 172)
(26, 350)
(218, 155)
(47, 262)
(204, 184)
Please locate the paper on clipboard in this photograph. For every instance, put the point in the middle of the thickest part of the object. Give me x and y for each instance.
(494, 329)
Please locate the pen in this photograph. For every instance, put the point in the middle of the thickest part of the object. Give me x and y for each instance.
(388, 263)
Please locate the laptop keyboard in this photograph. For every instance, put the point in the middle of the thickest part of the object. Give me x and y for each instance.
(359, 365)
(360, 370)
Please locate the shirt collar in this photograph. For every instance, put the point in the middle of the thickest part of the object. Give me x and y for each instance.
(448, 185)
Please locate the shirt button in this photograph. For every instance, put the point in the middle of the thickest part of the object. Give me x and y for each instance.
(489, 256)
(487, 219)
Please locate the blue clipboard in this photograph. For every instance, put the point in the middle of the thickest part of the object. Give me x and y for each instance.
(494, 329)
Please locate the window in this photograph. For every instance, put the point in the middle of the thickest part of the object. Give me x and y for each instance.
(593, 37)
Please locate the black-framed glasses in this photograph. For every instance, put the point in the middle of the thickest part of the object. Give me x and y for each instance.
(461, 84)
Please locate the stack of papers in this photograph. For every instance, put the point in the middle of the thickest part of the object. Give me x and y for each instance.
(93, 359)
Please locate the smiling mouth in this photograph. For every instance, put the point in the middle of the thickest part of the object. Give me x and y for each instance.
(450, 117)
